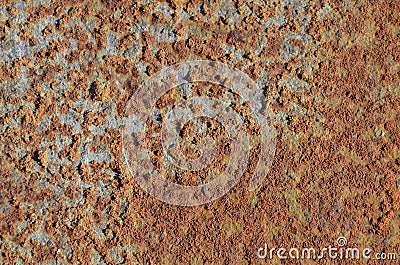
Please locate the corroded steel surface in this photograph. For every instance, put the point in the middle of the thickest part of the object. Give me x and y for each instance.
(329, 71)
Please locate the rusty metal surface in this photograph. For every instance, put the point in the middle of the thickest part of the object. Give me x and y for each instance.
(329, 71)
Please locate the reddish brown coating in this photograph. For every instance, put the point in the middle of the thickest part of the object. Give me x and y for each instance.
(330, 72)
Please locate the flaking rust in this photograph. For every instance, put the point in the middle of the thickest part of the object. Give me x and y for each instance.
(329, 71)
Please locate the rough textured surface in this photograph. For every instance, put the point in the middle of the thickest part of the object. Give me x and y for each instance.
(330, 71)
